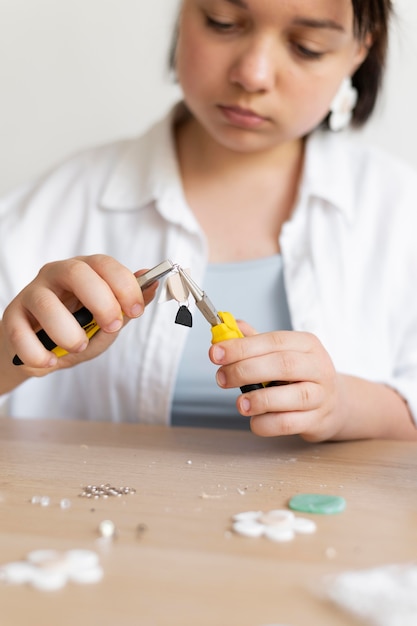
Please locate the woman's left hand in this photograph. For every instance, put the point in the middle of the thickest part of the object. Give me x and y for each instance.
(309, 405)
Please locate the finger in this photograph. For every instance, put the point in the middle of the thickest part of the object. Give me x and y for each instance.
(121, 282)
(290, 410)
(45, 310)
(310, 425)
(21, 340)
(234, 350)
(286, 366)
(75, 283)
(298, 397)
(246, 328)
(149, 291)
(39, 304)
(282, 424)
(62, 287)
(98, 283)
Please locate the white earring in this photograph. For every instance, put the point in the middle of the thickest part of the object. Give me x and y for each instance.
(342, 106)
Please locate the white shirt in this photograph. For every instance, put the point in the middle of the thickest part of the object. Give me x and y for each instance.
(350, 265)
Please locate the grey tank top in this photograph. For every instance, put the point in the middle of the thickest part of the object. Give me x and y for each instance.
(251, 290)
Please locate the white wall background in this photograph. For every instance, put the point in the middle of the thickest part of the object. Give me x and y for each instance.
(74, 73)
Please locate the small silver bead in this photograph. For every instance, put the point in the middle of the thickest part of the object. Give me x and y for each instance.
(107, 529)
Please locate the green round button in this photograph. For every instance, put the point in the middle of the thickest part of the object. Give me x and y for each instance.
(317, 503)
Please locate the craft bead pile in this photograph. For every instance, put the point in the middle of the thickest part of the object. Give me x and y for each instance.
(105, 491)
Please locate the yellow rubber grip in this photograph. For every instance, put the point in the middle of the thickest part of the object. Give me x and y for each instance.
(228, 329)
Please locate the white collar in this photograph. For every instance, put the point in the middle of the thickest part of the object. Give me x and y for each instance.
(328, 170)
(148, 172)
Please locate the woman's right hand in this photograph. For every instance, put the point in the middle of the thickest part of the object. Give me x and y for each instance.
(98, 282)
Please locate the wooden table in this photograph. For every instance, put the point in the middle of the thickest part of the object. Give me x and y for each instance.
(187, 568)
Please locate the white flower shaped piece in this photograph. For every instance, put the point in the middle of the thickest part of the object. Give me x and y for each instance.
(278, 525)
(342, 106)
(50, 570)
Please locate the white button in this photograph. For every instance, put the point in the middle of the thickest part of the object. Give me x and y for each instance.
(17, 573)
(88, 575)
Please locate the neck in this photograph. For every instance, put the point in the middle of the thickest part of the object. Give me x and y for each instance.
(249, 194)
(200, 153)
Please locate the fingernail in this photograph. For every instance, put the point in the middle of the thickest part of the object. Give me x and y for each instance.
(245, 405)
(218, 354)
(136, 310)
(114, 326)
(221, 378)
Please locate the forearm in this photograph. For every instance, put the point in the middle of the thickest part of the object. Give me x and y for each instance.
(372, 410)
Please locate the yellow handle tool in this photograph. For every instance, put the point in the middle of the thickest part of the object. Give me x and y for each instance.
(227, 329)
(223, 324)
(85, 318)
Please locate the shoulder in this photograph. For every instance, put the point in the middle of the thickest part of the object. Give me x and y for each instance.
(75, 175)
(358, 176)
(361, 159)
(86, 173)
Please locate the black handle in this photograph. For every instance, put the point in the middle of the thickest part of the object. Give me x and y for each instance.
(83, 316)
(255, 386)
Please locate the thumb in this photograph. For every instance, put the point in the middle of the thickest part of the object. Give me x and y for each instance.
(246, 328)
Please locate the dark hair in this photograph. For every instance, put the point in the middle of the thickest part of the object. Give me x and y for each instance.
(370, 17)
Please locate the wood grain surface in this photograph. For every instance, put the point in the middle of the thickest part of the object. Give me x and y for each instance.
(187, 568)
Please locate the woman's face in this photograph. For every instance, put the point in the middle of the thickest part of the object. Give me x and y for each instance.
(259, 73)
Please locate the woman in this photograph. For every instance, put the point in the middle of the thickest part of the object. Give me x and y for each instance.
(306, 232)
